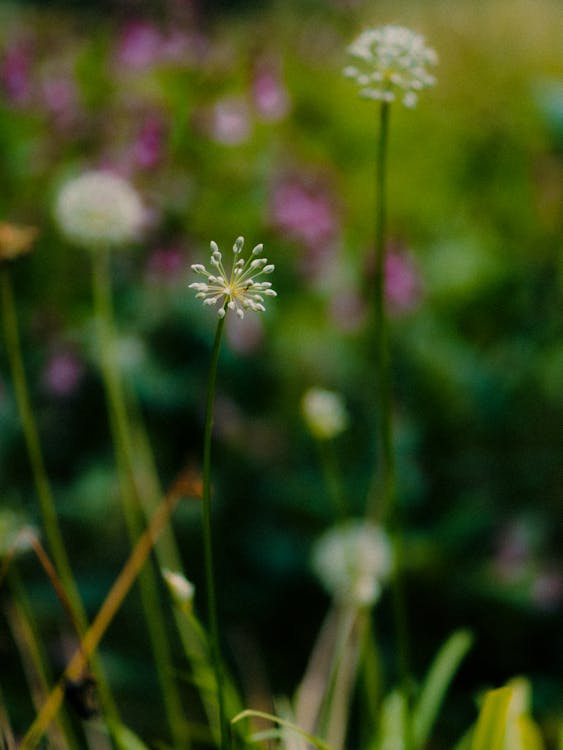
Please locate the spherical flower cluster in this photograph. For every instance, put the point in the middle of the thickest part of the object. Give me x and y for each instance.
(239, 290)
(99, 209)
(352, 561)
(391, 62)
(324, 413)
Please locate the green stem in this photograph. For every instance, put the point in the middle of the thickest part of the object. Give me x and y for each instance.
(208, 538)
(130, 492)
(332, 477)
(389, 509)
(42, 484)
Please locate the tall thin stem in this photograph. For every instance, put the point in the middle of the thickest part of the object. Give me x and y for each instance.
(389, 508)
(40, 476)
(208, 537)
(123, 443)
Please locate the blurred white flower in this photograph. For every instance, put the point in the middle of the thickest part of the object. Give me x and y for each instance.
(15, 535)
(391, 62)
(99, 209)
(238, 290)
(352, 561)
(324, 413)
(181, 589)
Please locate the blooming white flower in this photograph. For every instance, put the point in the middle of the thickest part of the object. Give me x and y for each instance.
(391, 62)
(352, 561)
(99, 209)
(324, 413)
(239, 290)
(182, 590)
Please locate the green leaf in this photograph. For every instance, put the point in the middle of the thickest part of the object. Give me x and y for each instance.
(493, 718)
(125, 739)
(439, 676)
(315, 741)
(391, 735)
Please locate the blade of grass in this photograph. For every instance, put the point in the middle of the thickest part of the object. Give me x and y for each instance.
(490, 731)
(439, 676)
(248, 713)
(185, 486)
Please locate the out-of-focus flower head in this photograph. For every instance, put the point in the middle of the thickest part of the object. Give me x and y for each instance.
(352, 561)
(304, 211)
(324, 413)
(148, 148)
(15, 240)
(139, 45)
(15, 73)
(180, 588)
(391, 62)
(62, 373)
(15, 535)
(270, 95)
(166, 264)
(99, 209)
(239, 290)
(229, 122)
(403, 286)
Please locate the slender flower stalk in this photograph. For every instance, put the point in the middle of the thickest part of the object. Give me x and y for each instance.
(41, 479)
(237, 291)
(119, 423)
(389, 63)
(208, 539)
(101, 211)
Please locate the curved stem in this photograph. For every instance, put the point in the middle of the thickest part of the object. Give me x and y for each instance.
(130, 491)
(208, 538)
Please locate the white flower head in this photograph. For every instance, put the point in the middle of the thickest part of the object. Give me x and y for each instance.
(237, 291)
(324, 413)
(352, 561)
(391, 62)
(182, 590)
(99, 209)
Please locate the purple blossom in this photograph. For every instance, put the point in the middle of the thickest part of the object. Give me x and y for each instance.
(229, 121)
(15, 73)
(62, 374)
(403, 286)
(302, 209)
(139, 45)
(61, 98)
(270, 95)
(148, 148)
(166, 264)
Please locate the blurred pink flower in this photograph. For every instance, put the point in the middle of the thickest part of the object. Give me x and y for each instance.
(60, 98)
(303, 209)
(229, 121)
(62, 374)
(166, 264)
(270, 95)
(403, 286)
(139, 45)
(148, 148)
(15, 73)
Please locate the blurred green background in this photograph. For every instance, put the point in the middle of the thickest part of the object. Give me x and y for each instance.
(234, 118)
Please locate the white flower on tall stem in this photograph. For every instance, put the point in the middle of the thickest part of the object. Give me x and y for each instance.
(238, 290)
(391, 62)
(99, 209)
(352, 561)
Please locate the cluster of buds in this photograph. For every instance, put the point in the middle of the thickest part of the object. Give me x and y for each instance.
(238, 291)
